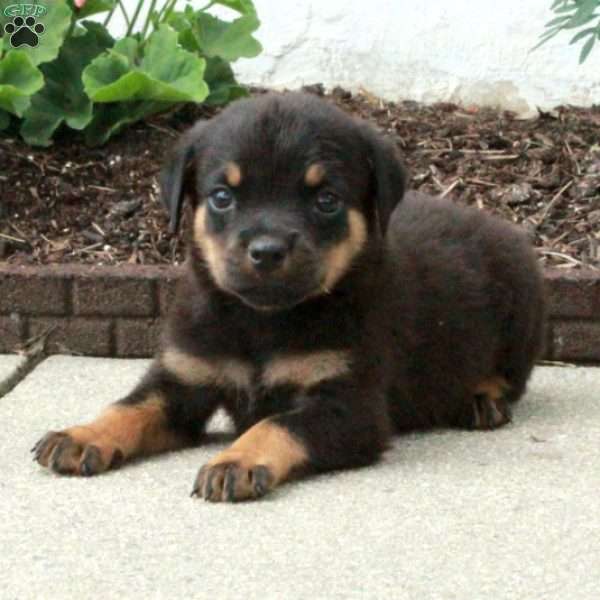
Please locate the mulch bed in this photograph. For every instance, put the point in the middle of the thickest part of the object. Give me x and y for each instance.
(74, 204)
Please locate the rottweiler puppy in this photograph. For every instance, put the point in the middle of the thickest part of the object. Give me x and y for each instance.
(319, 308)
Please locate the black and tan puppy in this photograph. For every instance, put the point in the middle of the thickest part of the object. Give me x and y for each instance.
(315, 329)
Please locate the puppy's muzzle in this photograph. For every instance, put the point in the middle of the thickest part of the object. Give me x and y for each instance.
(267, 253)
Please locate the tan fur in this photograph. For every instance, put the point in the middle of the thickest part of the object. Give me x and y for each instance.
(491, 391)
(212, 252)
(265, 444)
(135, 429)
(306, 370)
(124, 430)
(194, 370)
(314, 175)
(340, 257)
(494, 388)
(233, 174)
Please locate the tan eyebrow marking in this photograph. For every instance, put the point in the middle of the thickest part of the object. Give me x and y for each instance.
(233, 174)
(314, 175)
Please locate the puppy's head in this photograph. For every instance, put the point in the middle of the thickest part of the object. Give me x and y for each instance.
(286, 193)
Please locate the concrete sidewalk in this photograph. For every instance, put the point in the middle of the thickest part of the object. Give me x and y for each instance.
(447, 514)
(9, 363)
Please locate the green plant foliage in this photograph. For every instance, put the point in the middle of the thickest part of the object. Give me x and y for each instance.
(78, 76)
(213, 37)
(56, 23)
(63, 98)
(110, 118)
(221, 82)
(4, 119)
(19, 80)
(228, 41)
(160, 71)
(209, 36)
(574, 14)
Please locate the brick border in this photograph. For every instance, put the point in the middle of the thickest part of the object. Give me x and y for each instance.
(117, 311)
(94, 311)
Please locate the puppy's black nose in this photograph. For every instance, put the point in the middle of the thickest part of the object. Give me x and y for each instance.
(267, 253)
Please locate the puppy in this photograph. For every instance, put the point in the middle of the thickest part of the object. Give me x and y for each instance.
(317, 308)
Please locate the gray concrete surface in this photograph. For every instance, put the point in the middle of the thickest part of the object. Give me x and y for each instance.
(9, 363)
(509, 514)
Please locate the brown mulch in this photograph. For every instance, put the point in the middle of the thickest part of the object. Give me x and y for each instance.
(70, 203)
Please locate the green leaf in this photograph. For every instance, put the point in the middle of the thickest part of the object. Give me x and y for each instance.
(166, 72)
(181, 24)
(111, 118)
(19, 80)
(565, 8)
(63, 99)
(584, 14)
(221, 82)
(129, 48)
(93, 7)
(103, 38)
(573, 23)
(582, 34)
(587, 48)
(229, 41)
(56, 23)
(4, 119)
(557, 21)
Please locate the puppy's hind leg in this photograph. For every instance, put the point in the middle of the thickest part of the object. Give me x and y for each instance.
(488, 406)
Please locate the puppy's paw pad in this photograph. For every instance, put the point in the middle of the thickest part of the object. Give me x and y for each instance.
(232, 481)
(70, 453)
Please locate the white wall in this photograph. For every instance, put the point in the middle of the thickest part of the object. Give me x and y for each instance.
(469, 51)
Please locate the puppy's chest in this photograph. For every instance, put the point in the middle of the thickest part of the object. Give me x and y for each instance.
(274, 379)
(279, 382)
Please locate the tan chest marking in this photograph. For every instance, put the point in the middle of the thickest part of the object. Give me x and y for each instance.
(301, 370)
(194, 370)
(306, 370)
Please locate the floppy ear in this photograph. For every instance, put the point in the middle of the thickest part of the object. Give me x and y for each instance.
(177, 175)
(388, 174)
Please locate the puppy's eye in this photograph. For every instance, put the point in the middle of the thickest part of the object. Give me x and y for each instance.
(328, 203)
(221, 199)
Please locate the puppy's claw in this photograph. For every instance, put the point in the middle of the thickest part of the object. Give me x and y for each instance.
(262, 480)
(229, 485)
(67, 453)
(232, 482)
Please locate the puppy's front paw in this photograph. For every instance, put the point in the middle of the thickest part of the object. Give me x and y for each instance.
(232, 477)
(77, 451)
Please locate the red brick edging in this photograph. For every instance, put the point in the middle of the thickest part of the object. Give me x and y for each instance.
(117, 311)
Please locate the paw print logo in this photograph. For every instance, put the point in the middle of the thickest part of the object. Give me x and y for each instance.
(24, 32)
